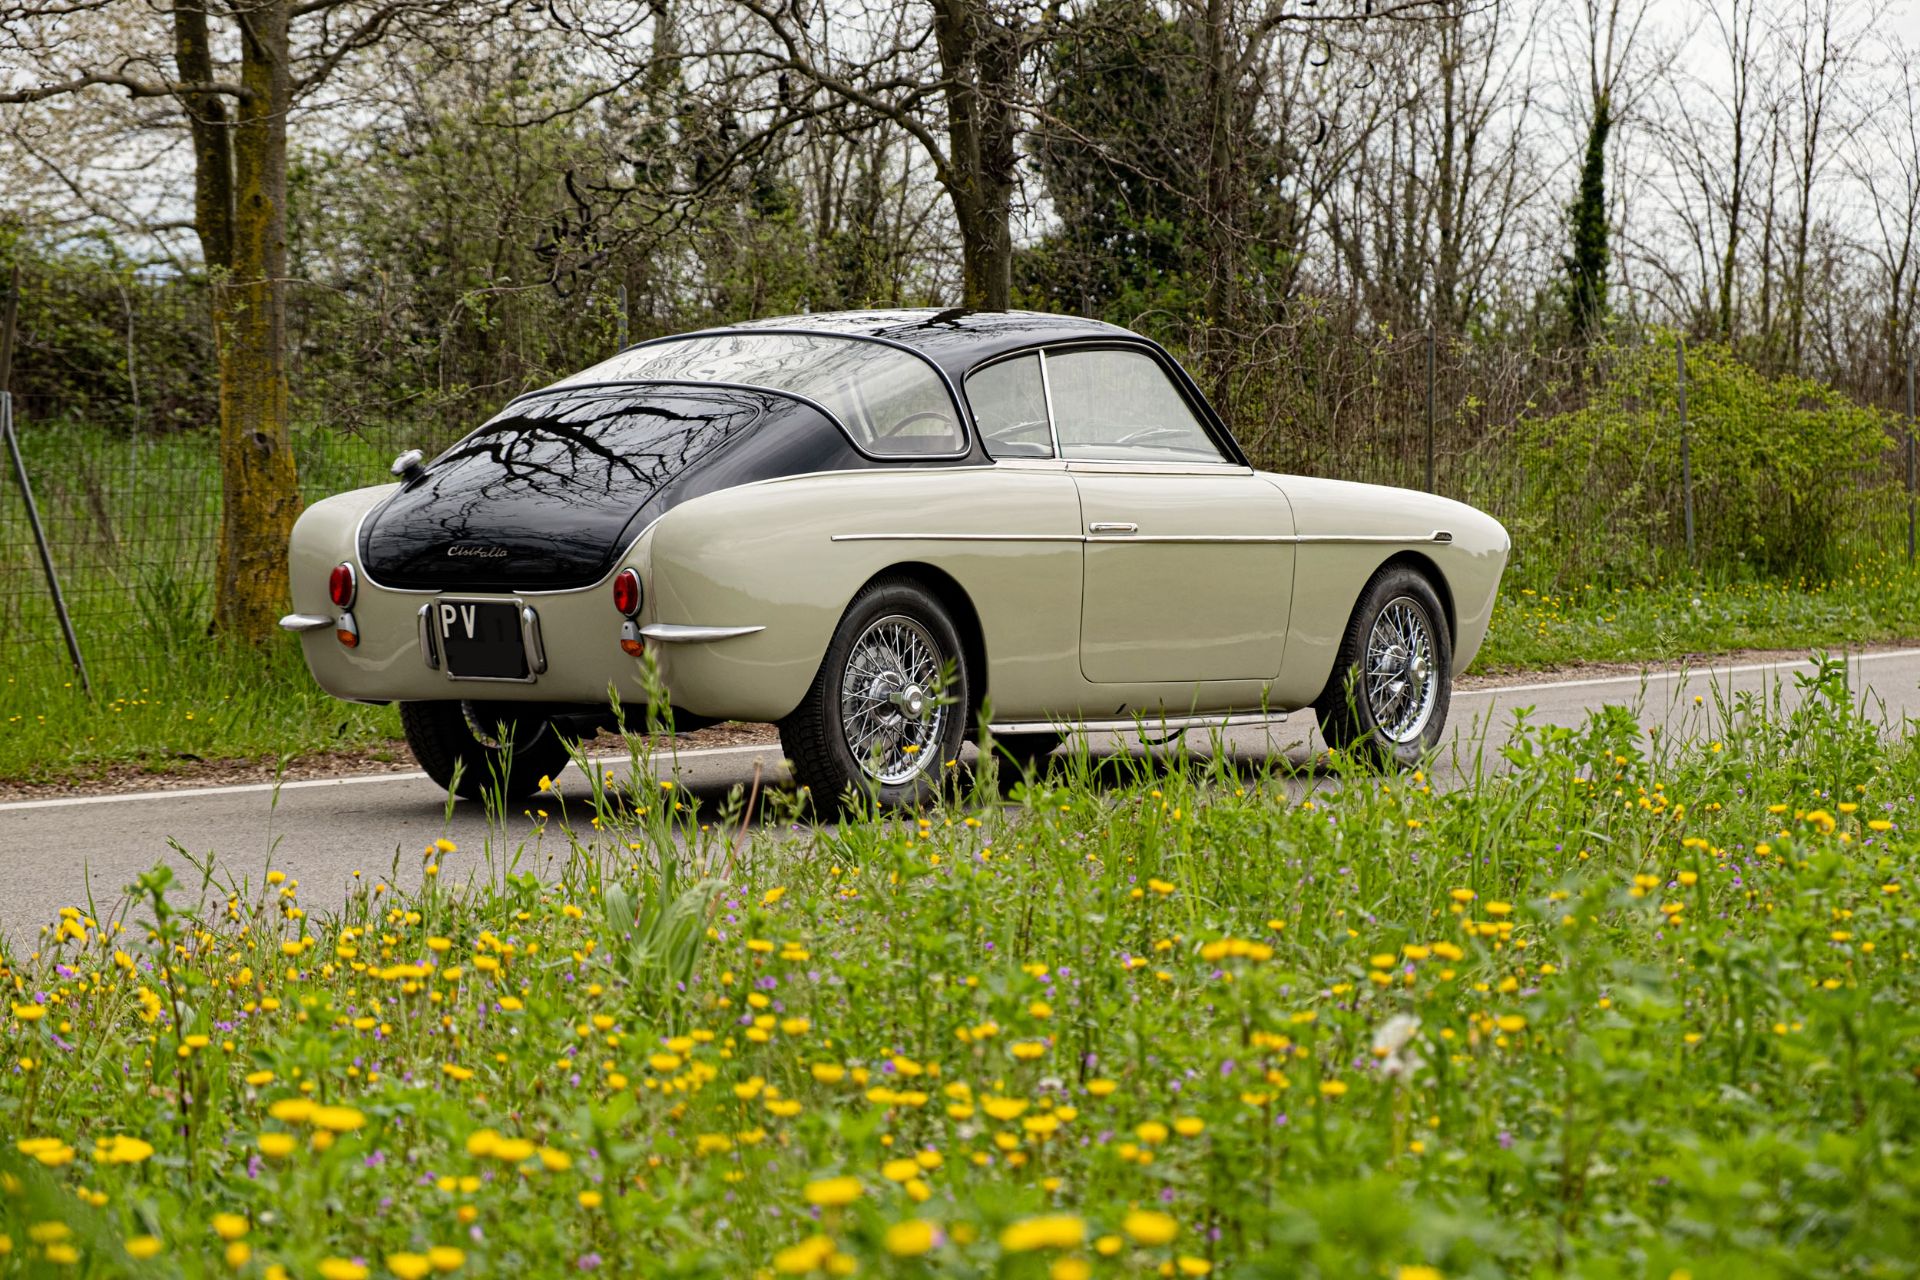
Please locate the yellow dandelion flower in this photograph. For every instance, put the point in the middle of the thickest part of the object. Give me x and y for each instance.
(1150, 1227)
(1047, 1231)
(912, 1238)
(832, 1193)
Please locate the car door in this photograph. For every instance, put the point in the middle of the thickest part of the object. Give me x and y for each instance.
(1188, 559)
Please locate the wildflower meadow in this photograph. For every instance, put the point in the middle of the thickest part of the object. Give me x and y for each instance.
(1599, 1004)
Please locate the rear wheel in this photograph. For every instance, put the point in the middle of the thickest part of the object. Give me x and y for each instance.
(1393, 679)
(492, 747)
(889, 706)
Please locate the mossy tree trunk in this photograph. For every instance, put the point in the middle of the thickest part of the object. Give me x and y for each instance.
(260, 494)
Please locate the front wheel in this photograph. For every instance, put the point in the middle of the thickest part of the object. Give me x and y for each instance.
(889, 706)
(1393, 679)
(476, 749)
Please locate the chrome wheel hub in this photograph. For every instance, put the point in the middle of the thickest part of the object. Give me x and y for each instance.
(1400, 687)
(890, 707)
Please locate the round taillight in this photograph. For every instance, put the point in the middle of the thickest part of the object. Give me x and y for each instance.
(342, 586)
(626, 592)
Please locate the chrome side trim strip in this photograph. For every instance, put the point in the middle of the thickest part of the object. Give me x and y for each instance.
(1143, 721)
(305, 622)
(1134, 539)
(1438, 535)
(958, 537)
(682, 633)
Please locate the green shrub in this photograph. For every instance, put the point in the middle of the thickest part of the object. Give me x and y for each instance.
(1789, 476)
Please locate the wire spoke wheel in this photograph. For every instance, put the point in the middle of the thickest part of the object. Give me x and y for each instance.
(891, 710)
(1398, 675)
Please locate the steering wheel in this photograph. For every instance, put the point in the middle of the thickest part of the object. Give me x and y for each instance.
(1013, 431)
(1147, 433)
(935, 414)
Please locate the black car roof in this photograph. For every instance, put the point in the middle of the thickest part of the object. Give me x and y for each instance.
(955, 339)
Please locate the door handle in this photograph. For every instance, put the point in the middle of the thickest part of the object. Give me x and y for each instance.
(1112, 526)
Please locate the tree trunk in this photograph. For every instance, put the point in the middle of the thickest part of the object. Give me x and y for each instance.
(980, 59)
(259, 491)
(208, 122)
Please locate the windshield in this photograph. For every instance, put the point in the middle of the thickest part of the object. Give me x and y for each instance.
(888, 400)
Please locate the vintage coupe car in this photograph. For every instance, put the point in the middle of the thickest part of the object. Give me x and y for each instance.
(877, 529)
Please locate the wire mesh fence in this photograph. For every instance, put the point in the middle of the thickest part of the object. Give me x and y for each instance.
(1577, 451)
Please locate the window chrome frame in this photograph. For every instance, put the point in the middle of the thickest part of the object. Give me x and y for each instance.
(1232, 459)
(1046, 405)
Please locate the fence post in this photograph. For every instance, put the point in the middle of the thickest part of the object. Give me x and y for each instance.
(8, 317)
(1430, 364)
(620, 322)
(1910, 457)
(1686, 446)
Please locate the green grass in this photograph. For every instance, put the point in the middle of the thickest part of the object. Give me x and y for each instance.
(1621, 1010)
(161, 705)
(1534, 630)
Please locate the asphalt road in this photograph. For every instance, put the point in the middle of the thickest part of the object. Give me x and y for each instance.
(323, 831)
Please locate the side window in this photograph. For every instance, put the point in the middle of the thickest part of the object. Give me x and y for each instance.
(1011, 408)
(1120, 406)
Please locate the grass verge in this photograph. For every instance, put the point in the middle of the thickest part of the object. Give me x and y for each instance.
(161, 703)
(1621, 1009)
(1534, 630)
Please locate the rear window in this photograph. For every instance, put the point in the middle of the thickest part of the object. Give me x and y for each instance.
(596, 445)
(890, 401)
(545, 495)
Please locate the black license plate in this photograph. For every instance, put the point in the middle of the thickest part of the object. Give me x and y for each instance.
(481, 639)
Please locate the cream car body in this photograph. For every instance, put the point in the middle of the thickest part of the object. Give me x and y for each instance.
(1084, 589)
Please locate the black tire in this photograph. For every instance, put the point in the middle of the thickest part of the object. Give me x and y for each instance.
(515, 753)
(1351, 718)
(815, 736)
(1024, 751)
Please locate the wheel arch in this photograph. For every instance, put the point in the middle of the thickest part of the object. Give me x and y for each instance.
(1437, 579)
(1419, 563)
(954, 598)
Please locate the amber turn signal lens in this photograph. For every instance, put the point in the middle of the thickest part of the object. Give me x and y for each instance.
(347, 638)
(342, 586)
(626, 592)
(633, 648)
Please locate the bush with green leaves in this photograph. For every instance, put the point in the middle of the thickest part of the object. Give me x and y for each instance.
(1789, 476)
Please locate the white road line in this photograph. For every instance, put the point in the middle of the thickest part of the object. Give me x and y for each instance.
(1648, 677)
(185, 793)
(182, 793)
